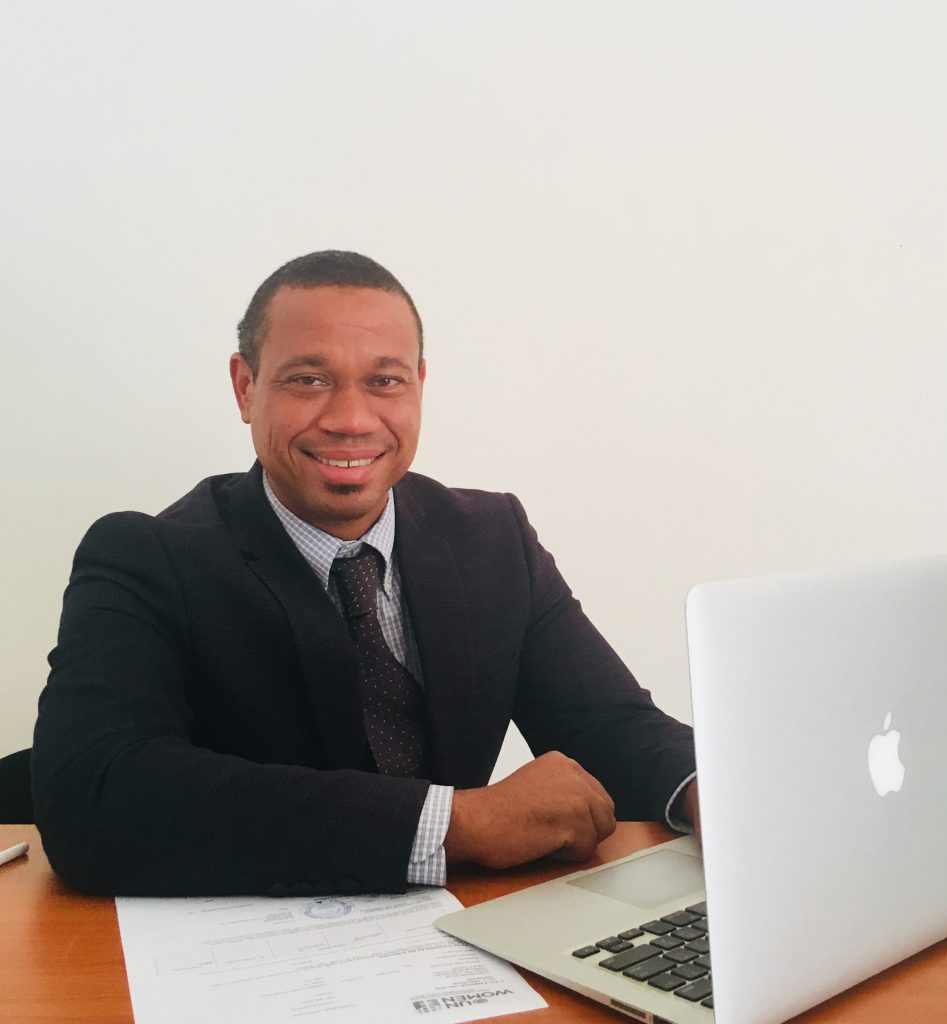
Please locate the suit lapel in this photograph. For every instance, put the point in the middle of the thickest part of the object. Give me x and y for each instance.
(327, 657)
(438, 608)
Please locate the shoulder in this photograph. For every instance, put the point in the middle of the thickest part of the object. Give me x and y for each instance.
(199, 511)
(206, 500)
(421, 496)
(477, 525)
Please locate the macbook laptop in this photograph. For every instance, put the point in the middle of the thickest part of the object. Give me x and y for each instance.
(820, 711)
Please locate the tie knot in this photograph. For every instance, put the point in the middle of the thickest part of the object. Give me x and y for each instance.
(357, 579)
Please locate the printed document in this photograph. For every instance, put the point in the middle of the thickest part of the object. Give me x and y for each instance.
(345, 959)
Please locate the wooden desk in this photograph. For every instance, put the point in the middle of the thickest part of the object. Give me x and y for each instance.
(61, 955)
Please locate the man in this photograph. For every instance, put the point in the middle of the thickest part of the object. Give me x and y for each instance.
(297, 680)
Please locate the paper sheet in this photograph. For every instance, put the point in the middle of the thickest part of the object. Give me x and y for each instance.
(348, 959)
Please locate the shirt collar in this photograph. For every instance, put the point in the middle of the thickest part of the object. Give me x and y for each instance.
(320, 549)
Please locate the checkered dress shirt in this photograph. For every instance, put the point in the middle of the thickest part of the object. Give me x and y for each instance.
(427, 864)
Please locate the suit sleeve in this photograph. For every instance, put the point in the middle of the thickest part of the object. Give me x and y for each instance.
(127, 804)
(575, 695)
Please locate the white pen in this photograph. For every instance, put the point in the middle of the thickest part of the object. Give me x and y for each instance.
(14, 852)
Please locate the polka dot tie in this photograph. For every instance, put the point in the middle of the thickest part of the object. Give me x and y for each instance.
(392, 701)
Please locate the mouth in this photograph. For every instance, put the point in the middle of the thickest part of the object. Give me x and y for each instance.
(345, 463)
(345, 468)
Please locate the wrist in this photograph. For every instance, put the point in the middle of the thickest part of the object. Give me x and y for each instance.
(686, 806)
(460, 843)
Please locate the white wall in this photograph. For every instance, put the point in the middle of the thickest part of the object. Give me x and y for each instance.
(681, 265)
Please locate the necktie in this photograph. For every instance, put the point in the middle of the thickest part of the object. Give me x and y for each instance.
(392, 702)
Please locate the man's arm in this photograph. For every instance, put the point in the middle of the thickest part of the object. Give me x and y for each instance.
(127, 803)
(575, 697)
(550, 806)
(686, 807)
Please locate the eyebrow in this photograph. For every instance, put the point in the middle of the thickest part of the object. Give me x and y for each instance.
(390, 363)
(319, 362)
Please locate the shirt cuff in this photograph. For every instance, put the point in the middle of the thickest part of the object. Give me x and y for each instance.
(678, 824)
(427, 864)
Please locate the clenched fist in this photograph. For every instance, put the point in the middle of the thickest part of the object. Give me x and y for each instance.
(549, 806)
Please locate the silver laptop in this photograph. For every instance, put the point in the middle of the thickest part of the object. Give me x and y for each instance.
(820, 710)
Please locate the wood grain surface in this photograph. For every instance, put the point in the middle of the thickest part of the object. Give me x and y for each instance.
(61, 954)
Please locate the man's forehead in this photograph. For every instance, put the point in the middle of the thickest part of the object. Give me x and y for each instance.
(329, 306)
(324, 320)
(316, 360)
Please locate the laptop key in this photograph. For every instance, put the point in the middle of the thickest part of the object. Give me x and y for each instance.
(703, 961)
(689, 971)
(698, 908)
(648, 969)
(632, 933)
(629, 958)
(699, 945)
(688, 933)
(613, 944)
(586, 951)
(658, 927)
(666, 942)
(681, 956)
(667, 982)
(695, 991)
(681, 918)
(709, 1001)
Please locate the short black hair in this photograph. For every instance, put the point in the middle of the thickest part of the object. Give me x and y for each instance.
(328, 268)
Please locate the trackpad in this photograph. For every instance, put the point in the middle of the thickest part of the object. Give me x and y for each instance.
(661, 877)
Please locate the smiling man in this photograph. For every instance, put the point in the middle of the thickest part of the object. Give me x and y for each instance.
(297, 680)
(333, 399)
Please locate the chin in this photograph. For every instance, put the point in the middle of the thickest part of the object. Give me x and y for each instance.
(343, 489)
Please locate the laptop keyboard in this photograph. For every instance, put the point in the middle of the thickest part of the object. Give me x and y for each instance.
(671, 953)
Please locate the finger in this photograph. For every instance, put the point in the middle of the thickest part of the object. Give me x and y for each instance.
(585, 837)
(601, 806)
(595, 787)
(603, 819)
(567, 855)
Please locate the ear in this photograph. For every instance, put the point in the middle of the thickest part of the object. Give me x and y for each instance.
(422, 373)
(241, 376)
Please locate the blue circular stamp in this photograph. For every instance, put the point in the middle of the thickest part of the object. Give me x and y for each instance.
(326, 909)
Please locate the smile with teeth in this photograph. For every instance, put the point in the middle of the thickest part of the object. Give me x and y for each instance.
(346, 463)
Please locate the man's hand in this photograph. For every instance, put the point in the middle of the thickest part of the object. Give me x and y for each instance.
(549, 806)
(688, 807)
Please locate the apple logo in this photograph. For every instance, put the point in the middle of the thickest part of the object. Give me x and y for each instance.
(884, 764)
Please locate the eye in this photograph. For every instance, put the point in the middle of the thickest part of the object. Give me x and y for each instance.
(308, 380)
(386, 383)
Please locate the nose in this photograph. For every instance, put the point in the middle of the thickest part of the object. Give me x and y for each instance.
(348, 411)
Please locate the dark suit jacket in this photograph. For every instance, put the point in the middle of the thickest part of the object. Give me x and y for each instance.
(201, 732)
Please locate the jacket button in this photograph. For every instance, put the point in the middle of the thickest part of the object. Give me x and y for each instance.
(278, 889)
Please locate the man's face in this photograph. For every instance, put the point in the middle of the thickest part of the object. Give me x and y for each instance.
(335, 408)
